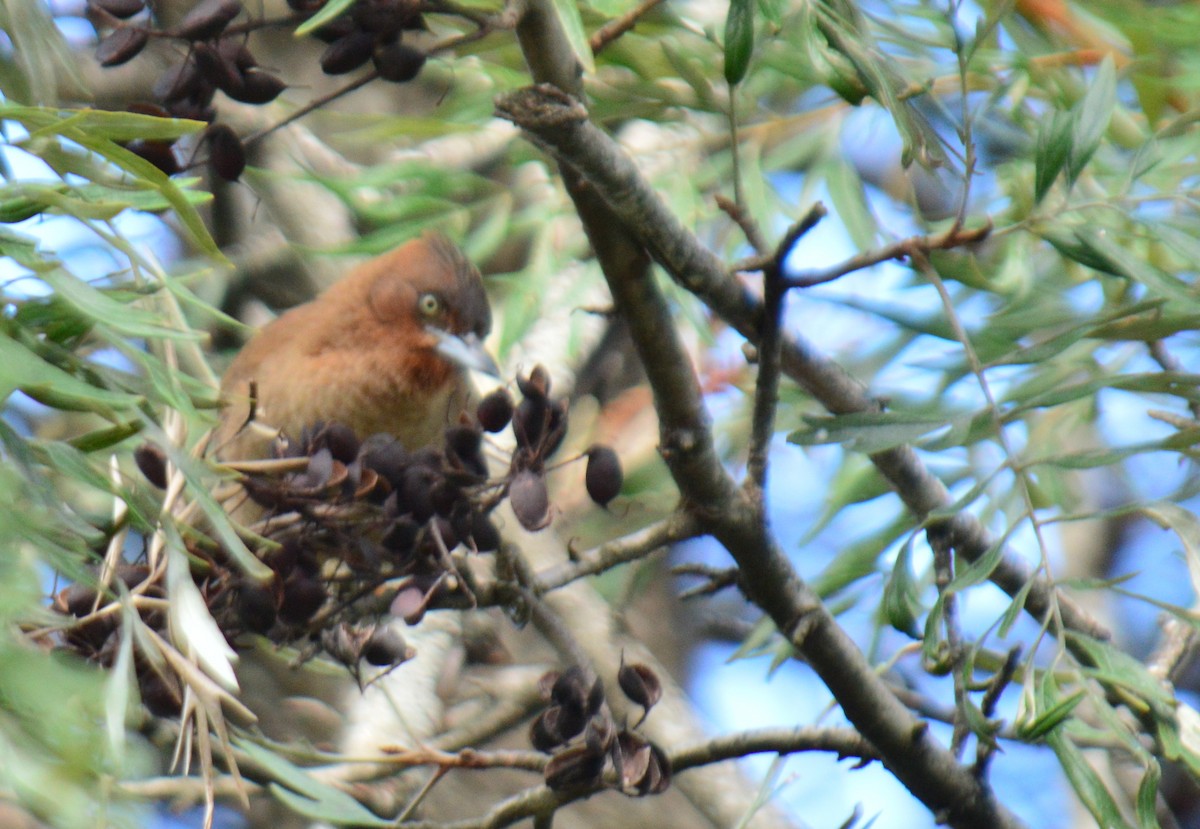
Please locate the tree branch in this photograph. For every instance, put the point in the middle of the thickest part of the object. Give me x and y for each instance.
(926, 768)
(560, 124)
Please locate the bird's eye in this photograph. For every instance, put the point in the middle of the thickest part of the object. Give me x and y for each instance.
(429, 305)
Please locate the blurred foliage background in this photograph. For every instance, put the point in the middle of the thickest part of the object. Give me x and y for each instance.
(1046, 373)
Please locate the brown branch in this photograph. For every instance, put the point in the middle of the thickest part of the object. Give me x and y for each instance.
(910, 752)
(560, 123)
(616, 27)
(680, 526)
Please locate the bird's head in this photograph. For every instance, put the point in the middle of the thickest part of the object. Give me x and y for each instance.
(428, 287)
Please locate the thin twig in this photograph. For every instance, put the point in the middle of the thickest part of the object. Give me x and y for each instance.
(616, 27)
(903, 249)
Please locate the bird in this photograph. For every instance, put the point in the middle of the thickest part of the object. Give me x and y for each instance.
(388, 348)
(385, 349)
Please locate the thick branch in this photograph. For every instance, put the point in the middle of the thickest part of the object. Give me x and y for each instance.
(560, 123)
(904, 744)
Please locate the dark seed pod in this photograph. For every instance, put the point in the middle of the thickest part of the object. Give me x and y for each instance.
(78, 600)
(399, 62)
(161, 694)
(639, 683)
(119, 8)
(570, 689)
(604, 476)
(219, 69)
(235, 50)
(259, 87)
(386, 455)
(339, 439)
(255, 606)
(334, 29)
(383, 18)
(544, 734)
(122, 45)
(226, 152)
(302, 598)
(401, 535)
(658, 773)
(484, 533)
(529, 421)
(529, 500)
(151, 460)
(208, 19)
(556, 428)
(181, 81)
(495, 410)
(574, 768)
(537, 384)
(464, 450)
(386, 647)
(159, 153)
(416, 492)
(347, 53)
(632, 759)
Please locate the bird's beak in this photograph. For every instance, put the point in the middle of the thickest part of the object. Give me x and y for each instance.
(466, 351)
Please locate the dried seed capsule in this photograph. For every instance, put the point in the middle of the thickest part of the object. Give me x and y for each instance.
(208, 19)
(383, 18)
(464, 450)
(180, 81)
(219, 69)
(256, 606)
(226, 152)
(386, 455)
(160, 693)
(495, 410)
(386, 647)
(347, 53)
(259, 87)
(152, 461)
(119, 8)
(122, 45)
(159, 153)
(335, 29)
(639, 683)
(302, 597)
(658, 773)
(484, 534)
(529, 500)
(399, 62)
(604, 477)
(575, 767)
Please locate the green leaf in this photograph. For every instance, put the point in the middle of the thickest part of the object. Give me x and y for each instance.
(22, 369)
(307, 796)
(1092, 115)
(1053, 147)
(101, 123)
(99, 306)
(1186, 526)
(572, 23)
(1086, 783)
(739, 40)
(1116, 669)
(859, 559)
(332, 9)
(901, 599)
(866, 432)
(1050, 718)
(1147, 798)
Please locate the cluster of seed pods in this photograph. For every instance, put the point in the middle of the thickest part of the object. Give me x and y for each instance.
(354, 531)
(578, 731)
(215, 56)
